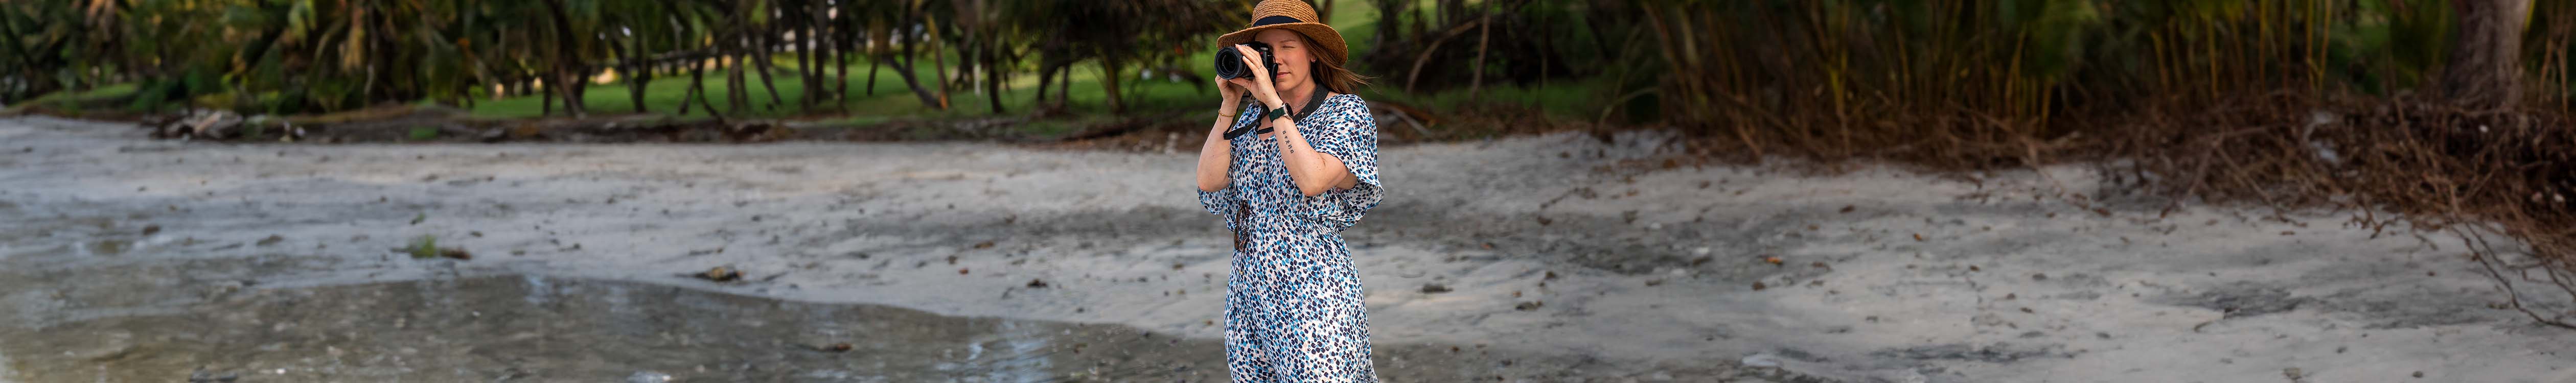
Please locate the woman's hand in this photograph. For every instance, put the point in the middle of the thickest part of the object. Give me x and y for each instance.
(1230, 96)
(1259, 85)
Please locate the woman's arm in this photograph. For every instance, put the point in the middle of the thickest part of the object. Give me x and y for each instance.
(1216, 155)
(1314, 172)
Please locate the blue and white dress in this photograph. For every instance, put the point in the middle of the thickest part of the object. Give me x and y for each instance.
(1293, 308)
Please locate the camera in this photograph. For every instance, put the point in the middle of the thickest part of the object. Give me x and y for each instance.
(1229, 61)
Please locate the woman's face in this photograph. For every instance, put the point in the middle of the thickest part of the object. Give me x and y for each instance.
(1294, 58)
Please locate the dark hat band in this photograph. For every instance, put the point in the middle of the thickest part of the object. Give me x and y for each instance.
(1278, 19)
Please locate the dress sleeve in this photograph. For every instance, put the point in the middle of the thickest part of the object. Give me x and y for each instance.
(1220, 202)
(1350, 135)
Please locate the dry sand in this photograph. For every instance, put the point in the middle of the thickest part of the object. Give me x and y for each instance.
(1882, 274)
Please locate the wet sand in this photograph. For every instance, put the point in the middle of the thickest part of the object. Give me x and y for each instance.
(534, 329)
(1538, 258)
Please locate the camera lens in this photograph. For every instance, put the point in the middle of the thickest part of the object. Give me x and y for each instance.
(1229, 64)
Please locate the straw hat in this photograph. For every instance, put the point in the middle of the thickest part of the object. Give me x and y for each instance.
(1294, 15)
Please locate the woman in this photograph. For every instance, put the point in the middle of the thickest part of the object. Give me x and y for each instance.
(1300, 167)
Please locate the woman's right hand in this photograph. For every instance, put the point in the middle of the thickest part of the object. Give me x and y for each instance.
(1231, 94)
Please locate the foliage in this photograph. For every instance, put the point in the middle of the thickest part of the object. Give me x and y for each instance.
(300, 56)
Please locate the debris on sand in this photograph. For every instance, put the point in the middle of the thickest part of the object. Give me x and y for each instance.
(201, 376)
(200, 124)
(648, 377)
(1037, 284)
(1527, 306)
(427, 247)
(720, 274)
(1434, 288)
(1762, 360)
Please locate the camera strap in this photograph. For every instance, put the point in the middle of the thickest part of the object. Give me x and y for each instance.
(1313, 103)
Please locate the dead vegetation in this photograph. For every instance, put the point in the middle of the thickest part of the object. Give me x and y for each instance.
(2258, 105)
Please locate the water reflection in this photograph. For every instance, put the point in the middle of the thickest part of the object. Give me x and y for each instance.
(527, 328)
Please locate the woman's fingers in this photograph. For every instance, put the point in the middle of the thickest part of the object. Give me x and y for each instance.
(1252, 59)
(1246, 85)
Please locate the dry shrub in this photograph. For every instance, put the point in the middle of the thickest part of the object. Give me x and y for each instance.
(2263, 103)
(2397, 161)
(2436, 167)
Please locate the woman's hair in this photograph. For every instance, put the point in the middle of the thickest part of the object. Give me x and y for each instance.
(1333, 77)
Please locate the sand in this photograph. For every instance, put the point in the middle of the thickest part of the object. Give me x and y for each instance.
(1545, 244)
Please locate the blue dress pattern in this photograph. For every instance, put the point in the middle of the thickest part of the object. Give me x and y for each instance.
(1293, 308)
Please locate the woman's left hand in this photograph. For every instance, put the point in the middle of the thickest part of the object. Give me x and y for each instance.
(1259, 85)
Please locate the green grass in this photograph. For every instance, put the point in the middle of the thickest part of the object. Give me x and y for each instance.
(1088, 103)
(892, 99)
(74, 100)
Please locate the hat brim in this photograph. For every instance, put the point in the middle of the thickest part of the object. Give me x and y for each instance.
(1335, 51)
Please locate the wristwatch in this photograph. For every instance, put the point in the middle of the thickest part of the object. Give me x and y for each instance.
(1274, 113)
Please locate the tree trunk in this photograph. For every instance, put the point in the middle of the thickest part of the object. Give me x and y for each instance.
(737, 91)
(875, 63)
(760, 64)
(697, 85)
(1449, 10)
(1045, 73)
(804, 53)
(638, 75)
(697, 74)
(841, 64)
(2485, 69)
(567, 56)
(880, 44)
(546, 103)
(993, 80)
(698, 90)
(1109, 83)
(1484, 34)
(905, 69)
(938, 62)
(1064, 84)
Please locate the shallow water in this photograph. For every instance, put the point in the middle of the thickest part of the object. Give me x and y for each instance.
(531, 328)
(527, 328)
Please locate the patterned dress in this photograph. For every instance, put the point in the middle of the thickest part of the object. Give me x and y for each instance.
(1293, 308)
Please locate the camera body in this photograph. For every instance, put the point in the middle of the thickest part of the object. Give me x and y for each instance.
(1229, 61)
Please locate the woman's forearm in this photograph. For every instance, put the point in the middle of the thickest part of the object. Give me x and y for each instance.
(1313, 172)
(1215, 157)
